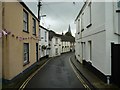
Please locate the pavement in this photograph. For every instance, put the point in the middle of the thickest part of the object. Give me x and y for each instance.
(0, 83)
(91, 77)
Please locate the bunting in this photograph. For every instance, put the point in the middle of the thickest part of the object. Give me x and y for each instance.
(0, 35)
(20, 38)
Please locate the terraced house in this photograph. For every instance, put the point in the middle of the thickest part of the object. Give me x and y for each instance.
(98, 38)
(43, 43)
(20, 44)
(54, 44)
(0, 45)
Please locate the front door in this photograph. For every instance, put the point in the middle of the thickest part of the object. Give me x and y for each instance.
(115, 63)
(37, 52)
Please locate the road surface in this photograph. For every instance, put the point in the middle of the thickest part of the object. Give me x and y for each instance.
(57, 73)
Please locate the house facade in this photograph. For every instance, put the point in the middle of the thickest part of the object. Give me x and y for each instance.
(68, 41)
(97, 36)
(65, 46)
(0, 45)
(20, 44)
(44, 41)
(54, 44)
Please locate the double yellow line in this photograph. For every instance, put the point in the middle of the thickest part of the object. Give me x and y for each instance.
(31, 76)
(78, 76)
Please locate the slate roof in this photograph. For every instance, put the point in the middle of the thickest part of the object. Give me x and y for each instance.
(43, 28)
(63, 37)
(68, 38)
(51, 34)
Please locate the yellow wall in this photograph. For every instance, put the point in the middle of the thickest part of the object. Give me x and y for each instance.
(13, 48)
(0, 41)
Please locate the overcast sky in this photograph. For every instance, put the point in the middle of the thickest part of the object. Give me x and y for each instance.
(58, 15)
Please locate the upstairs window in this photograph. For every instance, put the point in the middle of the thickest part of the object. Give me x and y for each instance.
(88, 16)
(25, 21)
(45, 36)
(56, 40)
(34, 26)
(82, 22)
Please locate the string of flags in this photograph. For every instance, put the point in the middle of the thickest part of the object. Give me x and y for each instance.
(5, 33)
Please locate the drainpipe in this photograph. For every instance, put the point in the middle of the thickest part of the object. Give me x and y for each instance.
(108, 80)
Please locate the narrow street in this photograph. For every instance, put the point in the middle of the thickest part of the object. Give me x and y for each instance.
(57, 73)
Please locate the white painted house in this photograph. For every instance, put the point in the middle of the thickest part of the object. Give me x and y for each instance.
(97, 33)
(67, 41)
(54, 44)
(44, 41)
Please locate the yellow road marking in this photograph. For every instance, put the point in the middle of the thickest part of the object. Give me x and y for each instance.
(31, 76)
(79, 78)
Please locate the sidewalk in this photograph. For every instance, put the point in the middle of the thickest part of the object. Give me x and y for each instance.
(91, 77)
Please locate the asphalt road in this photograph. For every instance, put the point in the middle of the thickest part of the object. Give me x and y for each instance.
(57, 73)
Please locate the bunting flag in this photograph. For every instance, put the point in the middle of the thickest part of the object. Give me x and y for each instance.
(4, 32)
(0, 34)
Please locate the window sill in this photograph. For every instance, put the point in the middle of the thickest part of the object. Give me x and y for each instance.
(89, 25)
(25, 31)
(82, 30)
(34, 34)
(117, 11)
(26, 63)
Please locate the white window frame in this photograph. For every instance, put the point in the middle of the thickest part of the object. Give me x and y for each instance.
(56, 40)
(34, 26)
(25, 21)
(26, 52)
(45, 36)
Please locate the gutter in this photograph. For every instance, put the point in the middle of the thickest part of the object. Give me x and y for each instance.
(81, 11)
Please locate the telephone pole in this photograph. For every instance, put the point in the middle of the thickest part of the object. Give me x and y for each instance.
(39, 7)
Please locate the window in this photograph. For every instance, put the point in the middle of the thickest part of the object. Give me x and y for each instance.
(83, 51)
(90, 50)
(82, 22)
(25, 21)
(56, 50)
(79, 26)
(26, 53)
(56, 40)
(45, 36)
(89, 16)
(118, 4)
(39, 35)
(34, 26)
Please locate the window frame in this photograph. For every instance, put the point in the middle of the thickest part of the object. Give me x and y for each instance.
(56, 39)
(90, 23)
(82, 22)
(45, 36)
(34, 26)
(25, 62)
(25, 22)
